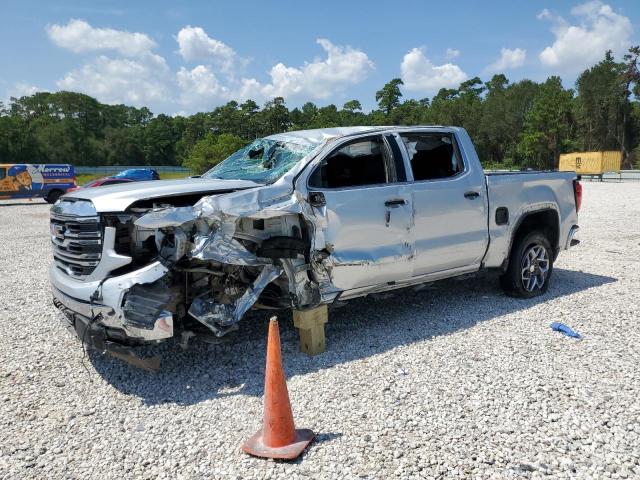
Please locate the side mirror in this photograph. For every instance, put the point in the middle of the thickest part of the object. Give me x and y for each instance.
(316, 199)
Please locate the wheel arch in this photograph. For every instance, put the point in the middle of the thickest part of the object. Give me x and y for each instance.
(52, 192)
(546, 220)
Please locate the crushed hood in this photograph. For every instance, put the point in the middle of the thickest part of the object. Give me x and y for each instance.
(117, 198)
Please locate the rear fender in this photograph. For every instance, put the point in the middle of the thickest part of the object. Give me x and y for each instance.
(528, 212)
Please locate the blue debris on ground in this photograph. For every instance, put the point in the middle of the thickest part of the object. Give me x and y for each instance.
(565, 330)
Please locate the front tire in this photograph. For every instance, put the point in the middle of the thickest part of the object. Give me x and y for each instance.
(53, 196)
(530, 267)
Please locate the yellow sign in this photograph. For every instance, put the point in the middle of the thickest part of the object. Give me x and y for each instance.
(591, 163)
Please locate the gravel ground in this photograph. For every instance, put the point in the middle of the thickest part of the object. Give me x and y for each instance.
(454, 380)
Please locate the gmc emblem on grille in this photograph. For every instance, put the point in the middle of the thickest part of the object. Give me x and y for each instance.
(57, 231)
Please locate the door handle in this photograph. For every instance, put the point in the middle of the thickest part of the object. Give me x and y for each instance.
(471, 195)
(396, 202)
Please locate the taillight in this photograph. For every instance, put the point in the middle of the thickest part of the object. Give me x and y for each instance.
(577, 191)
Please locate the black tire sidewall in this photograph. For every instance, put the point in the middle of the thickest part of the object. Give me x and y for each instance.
(512, 281)
(53, 196)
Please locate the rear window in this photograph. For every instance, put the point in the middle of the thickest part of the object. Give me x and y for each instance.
(133, 171)
(432, 155)
(113, 182)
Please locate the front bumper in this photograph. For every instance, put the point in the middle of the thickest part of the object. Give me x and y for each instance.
(97, 305)
(95, 335)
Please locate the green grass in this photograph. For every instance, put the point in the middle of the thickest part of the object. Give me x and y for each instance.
(82, 179)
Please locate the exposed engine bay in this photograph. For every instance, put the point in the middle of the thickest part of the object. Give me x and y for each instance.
(219, 263)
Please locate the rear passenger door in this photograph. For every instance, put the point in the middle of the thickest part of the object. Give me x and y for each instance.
(367, 212)
(450, 230)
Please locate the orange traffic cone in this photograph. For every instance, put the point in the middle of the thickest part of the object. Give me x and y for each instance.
(278, 437)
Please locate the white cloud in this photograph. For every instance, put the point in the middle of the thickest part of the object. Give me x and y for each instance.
(576, 47)
(544, 14)
(21, 89)
(452, 53)
(509, 59)
(78, 36)
(419, 74)
(121, 80)
(200, 89)
(136, 75)
(319, 79)
(195, 44)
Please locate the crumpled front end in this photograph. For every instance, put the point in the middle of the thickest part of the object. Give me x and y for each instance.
(184, 264)
(240, 250)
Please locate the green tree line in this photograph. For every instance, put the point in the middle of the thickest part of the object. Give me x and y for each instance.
(513, 124)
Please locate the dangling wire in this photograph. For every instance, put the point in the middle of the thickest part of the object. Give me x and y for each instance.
(92, 320)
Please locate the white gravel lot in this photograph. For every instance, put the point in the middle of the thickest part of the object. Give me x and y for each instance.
(451, 381)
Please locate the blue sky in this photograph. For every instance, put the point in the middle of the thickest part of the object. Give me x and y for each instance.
(185, 58)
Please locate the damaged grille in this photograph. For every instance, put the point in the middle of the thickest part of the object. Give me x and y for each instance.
(77, 243)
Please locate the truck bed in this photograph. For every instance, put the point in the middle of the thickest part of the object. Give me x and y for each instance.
(522, 192)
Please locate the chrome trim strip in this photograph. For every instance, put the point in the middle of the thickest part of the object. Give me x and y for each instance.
(77, 257)
(74, 218)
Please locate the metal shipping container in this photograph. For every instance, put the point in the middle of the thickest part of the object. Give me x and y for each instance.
(591, 163)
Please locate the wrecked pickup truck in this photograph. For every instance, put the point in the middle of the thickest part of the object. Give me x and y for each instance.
(299, 219)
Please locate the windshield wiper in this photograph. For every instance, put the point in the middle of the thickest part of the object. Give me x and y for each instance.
(257, 182)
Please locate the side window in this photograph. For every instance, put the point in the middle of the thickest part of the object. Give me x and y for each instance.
(3, 172)
(361, 162)
(432, 155)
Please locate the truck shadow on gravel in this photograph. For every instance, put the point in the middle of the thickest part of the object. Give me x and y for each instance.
(360, 328)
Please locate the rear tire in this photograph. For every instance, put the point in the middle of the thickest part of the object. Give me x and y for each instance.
(53, 196)
(530, 266)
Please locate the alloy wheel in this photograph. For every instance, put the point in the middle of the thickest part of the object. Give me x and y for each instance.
(534, 268)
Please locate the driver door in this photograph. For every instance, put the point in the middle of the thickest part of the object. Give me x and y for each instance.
(368, 213)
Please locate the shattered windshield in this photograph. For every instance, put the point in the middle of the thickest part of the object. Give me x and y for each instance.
(262, 161)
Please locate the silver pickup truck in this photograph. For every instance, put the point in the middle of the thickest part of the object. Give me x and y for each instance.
(300, 219)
